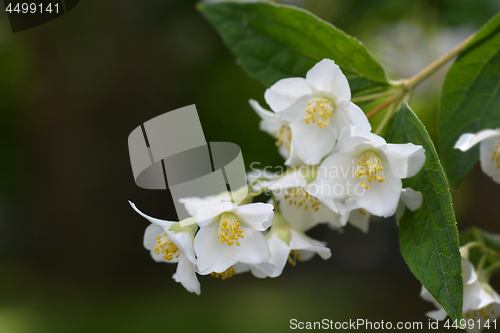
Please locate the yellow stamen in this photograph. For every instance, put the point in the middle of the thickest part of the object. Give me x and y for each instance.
(496, 155)
(226, 274)
(283, 136)
(230, 224)
(294, 256)
(166, 247)
(299, 197)
(319, 111)
(369, 168)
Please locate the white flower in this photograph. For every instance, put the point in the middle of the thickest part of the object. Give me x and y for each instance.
(369, 170)
(168, 242)
(279, 128)
(287, 244)
(481, 302)
(297, 201)
(316, 109)
(234, 235)
(489, 150)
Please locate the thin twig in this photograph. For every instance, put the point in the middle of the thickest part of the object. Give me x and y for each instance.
(433, 67)
(379, 108)
(391, 111)
(372, 96)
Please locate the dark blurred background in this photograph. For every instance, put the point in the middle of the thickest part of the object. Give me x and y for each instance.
(71, 91)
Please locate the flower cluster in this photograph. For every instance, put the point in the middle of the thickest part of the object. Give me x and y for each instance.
(338, 173)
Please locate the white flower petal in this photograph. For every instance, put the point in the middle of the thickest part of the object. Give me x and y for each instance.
(254, 248)
(279, 254)
(300, 241)
(293, 159)
(306, 255)
(327, 77)
(411, 198)
(357, 117)
(271, 123)
(260, 270)
(302, 219)
(312, 143)
(285, 92)
(241, 268)
(217, 257)
(341, 119)
(208, 249)
(334, 205)
(437, 314)
(360, 218)
(284, 151)
(487, 148)
(193, 203)
(297, 217)
(184, 241)
(258, 215)
(381, 199)
(335, 177)
(355, 140)
(164, 224)
(338, 222)
(152, 231)
(475, 297)
(186, 275)
(426, 295)
(468, 140)
(296, 111)
(206, 214)
(263, 270)
(405, 159)
(468, 272)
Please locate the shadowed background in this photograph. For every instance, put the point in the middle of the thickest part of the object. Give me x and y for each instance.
(71, 91)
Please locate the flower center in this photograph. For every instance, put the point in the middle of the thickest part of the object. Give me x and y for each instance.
(299, 197)
(294, 256)
(496, 155)
(226, 274)
(284, 137)
(319, 111)
(165, 245)
(229, 229)
(483, 313)
(369, 168)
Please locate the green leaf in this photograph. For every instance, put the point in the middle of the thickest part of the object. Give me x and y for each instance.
(428, 237)
(274, 41)
(470, 100)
